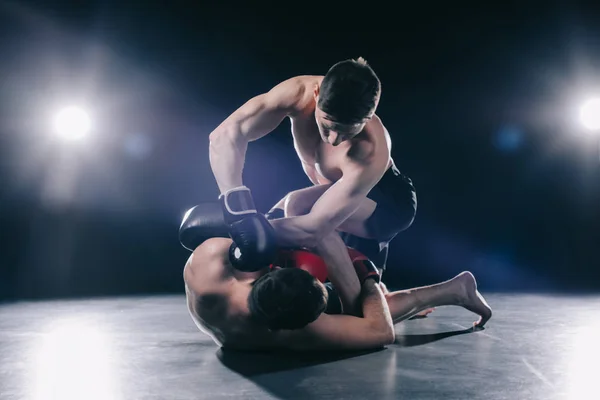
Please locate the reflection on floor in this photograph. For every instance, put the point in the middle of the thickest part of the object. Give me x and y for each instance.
(535, 347)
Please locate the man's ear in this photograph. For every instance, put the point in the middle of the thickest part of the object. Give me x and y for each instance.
(316, 92)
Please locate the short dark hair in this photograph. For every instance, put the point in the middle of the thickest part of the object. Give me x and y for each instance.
(287, 298)
(350, 91)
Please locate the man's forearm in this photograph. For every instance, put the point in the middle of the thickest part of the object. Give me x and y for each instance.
(227, 155)
(294, 232)
(340, 271)
(374, 305)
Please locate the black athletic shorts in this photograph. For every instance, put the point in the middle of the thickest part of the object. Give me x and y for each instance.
(396, 208)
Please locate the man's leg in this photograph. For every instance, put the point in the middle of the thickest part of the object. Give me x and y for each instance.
(369, 229)
(301, 201)
(389, 208)
(458, 291)
(298, 202)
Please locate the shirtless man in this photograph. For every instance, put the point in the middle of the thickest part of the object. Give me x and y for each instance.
(345, 151)
(252, 305)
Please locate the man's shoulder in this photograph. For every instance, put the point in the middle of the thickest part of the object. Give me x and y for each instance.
(207, 266)
(371, 144)
(295, 93)
(215, 248)
(306, 82)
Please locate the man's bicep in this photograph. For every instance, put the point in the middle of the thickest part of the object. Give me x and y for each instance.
(337, 332)
(263, 113)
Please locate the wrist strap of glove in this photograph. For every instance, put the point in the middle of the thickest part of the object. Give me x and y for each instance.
(366, 269)
(238, 201)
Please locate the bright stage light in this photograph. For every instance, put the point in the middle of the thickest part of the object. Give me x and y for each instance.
(589, 114)
(72, 123)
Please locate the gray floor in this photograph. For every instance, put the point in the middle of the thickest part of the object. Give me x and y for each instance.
(535, 347)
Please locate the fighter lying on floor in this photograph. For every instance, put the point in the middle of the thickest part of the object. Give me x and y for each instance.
(246, 293)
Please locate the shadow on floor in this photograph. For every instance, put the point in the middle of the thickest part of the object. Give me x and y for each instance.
(419, 340)
(285, 375)
(251, 364)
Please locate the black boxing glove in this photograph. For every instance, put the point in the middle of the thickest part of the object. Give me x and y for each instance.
(202, 222)
(254, 244)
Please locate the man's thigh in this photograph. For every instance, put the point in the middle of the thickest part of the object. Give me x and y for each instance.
(388, 209)
(298, 202)
(301, 201)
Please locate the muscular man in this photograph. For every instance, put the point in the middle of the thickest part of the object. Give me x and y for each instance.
(344, 149)
(243, 303)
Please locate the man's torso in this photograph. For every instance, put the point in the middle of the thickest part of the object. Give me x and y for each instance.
(322, 162)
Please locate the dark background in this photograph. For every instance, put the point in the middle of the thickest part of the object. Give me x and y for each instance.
(480, 100)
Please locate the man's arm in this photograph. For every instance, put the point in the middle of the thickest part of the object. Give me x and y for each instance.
(333, 207)
(340, 271)
(345, 332)
(255, 119)
(317, 229)
(312, 175)
(360, 173)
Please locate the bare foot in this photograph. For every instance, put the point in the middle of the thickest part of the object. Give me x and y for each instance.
(426, 312)
(471, 299)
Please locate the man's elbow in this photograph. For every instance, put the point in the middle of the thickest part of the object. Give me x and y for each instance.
(385, 335)
(225, 135)
(389, 337)
(318, 232)
(316, 237)
(308, 233)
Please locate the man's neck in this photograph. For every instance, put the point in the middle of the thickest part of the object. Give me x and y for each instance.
(238, 297)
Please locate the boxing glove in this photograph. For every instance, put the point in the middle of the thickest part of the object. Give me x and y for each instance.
(254, 244)
(365, 269)
(302, 259)
(200, 223)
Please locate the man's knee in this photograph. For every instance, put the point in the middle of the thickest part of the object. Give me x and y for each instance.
(296, 204)
(300, 202)
(291, 205)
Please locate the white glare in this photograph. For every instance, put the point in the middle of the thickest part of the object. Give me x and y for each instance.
(74, 362)
(72, 123)
(582, 372)
(589, 114)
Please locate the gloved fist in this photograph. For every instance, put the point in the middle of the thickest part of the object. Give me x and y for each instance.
(365, 269)
(254, 244)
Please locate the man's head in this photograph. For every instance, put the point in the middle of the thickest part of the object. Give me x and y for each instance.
(346, 99)
(287, 298)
